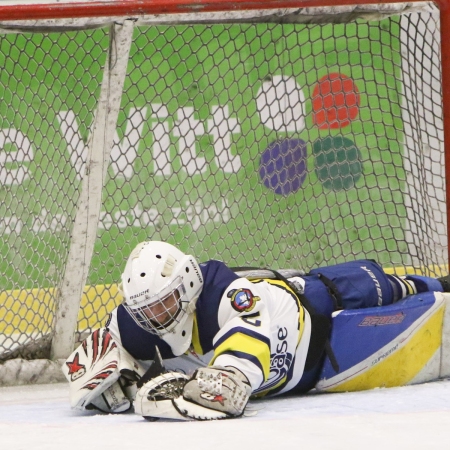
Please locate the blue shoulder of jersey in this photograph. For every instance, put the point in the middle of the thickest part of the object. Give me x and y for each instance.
(216, 279)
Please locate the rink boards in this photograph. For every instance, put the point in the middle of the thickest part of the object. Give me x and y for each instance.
(404, 343)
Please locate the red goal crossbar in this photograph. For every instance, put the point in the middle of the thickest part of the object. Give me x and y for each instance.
(51, 9)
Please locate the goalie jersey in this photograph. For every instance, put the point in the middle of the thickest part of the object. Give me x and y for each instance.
(258, 326)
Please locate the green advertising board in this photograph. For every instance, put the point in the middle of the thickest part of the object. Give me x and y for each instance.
(270, 145)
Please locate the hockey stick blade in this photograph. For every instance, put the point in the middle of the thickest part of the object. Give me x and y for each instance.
(156, 369)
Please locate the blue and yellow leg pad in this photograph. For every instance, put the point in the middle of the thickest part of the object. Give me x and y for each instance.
(395, 345)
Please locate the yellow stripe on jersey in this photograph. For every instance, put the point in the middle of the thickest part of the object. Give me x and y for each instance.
(269, 390)
(280, 284)
(243, 343)
(196, 338)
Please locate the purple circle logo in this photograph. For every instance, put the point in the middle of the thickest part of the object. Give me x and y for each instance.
(283, 166)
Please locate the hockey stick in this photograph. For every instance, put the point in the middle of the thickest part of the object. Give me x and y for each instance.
(156, 369)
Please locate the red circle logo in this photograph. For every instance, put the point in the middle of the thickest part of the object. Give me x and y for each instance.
(335, 101)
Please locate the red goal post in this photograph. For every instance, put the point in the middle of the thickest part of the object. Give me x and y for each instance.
(96, 231)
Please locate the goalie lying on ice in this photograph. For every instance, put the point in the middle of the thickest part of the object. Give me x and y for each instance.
(223, 338)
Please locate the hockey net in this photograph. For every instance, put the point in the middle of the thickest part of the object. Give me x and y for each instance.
(284, 138)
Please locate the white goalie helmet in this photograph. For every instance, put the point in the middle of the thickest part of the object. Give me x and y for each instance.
(161, 286)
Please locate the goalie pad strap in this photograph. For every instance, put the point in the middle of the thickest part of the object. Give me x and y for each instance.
(320, 330)
(113, 400)
(333, 290)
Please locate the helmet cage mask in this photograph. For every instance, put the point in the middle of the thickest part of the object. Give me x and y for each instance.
(171, 303)
(154, 272)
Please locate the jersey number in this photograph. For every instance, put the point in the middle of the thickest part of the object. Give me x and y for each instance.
(251, 319)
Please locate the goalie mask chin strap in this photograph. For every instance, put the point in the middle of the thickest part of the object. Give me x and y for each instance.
(320, 324)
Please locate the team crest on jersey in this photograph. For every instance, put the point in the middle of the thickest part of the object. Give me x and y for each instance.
(242, 299)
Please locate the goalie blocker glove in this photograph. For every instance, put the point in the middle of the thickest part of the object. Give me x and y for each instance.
(101, 374)
(211, 393)
(215, 389)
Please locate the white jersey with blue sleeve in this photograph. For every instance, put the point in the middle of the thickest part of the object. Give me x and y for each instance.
(264, 332)
(257, 326)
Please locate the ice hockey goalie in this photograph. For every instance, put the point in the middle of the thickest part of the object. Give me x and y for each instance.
(225, 337)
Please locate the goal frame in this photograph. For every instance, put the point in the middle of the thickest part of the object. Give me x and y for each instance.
(11, 10)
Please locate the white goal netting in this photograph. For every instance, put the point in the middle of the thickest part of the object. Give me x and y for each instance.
(275, 138)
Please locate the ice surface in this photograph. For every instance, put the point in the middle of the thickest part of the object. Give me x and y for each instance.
(411, 417)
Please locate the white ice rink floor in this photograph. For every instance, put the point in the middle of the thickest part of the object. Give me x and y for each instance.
(412, 417)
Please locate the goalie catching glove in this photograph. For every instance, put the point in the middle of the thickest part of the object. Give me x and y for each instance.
(211, 393)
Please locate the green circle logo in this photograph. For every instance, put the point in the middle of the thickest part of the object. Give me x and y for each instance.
(337, 162)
